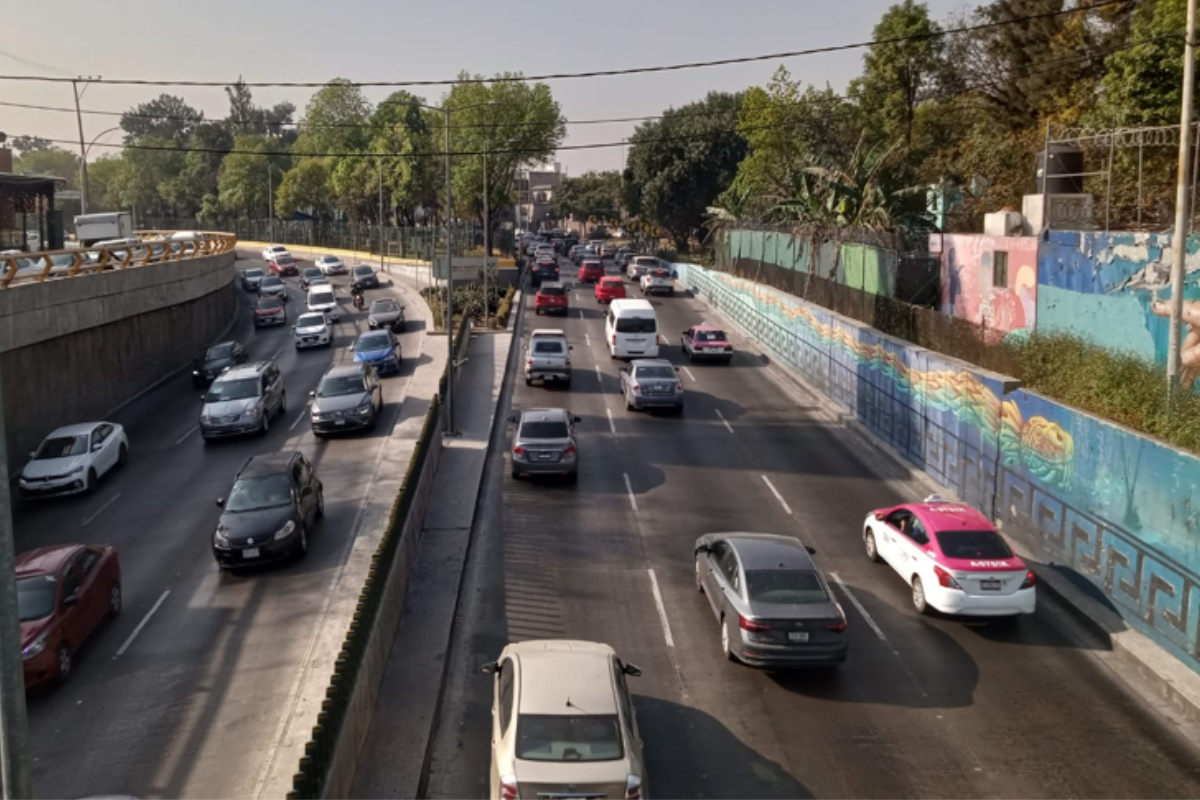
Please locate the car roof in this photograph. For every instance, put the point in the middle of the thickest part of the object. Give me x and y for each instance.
(364, 266)
(708, 326)
(651, 362)
(769, 551)
(549, 284)
(243, 371)
(44, 560)
(547, 332)
(312, 269)
(946, 516)
(348, 368)
(556, 671)
(544, 415)
(267, 464)
(74, 430)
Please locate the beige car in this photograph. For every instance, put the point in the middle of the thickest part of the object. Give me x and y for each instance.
(563, 723)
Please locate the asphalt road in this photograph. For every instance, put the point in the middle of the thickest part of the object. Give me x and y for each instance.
(925, 707)
(196, 701)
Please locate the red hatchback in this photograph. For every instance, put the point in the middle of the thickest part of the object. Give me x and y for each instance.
(590, 271)
(283, 264)
(64, 592)
(551, 297)
(609, 289)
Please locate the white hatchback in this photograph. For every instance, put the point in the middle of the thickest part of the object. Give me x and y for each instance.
(312, 330)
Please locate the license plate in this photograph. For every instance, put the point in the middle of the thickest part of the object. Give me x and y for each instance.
(339, 422)
(250, 552)
(545, 456)
(797, 636)
(990, 586)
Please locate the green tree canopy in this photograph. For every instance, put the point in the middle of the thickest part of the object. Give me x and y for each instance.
(591, 194)
(165, 117)
(244, 176)
(305, 187)
(52, 160)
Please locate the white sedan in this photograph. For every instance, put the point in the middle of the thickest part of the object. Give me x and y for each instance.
(72, 459)
(269, 253)
(331, 265)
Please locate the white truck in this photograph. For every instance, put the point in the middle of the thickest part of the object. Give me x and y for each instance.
(92, 228)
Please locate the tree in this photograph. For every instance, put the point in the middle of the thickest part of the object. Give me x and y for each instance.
(679, 164)
(305, 186)
(147, 172)
(243, 179)
(105, 177)
(401, 127)
(50, 161)
(1143, 84)
(29, 144)
(166, 117)
(247, 119)
(336, 120)
(591, 194)
(198, 176)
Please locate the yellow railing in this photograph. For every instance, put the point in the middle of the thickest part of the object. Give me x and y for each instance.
(154, 248)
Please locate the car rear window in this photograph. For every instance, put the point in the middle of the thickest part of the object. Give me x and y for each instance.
(973, 544)
(795, 586)
(655, 372)
(547, 347)
(591, 265)
(555, 290)
(544, 430)
(636, 325)
(710, 336)
(554, 737)
(320, 298)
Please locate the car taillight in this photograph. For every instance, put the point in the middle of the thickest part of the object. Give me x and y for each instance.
(568, 362)
(945, 578)
(637, 388)
(570, 449)
(1030, 580)
(529, 362)
(679, 387)
(633, 788)
(837, 627)
(752, 625)
(614, 340)
(518, 450)
(508, 787)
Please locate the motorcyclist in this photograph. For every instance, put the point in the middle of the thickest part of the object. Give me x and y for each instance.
(356, 292)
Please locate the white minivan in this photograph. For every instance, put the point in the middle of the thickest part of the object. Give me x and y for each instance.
(321, 299)
(631, 328)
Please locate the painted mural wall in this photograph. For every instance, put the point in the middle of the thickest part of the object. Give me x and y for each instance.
(1116, 507)
(969, 287)
(1110, 288)
(871, 269)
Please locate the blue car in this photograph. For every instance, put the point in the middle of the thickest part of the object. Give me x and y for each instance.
(379, 349)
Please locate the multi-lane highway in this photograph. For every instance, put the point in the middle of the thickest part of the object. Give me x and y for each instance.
(187, 692)
(925, 707)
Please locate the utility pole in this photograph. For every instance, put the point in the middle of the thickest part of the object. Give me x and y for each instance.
(487, 251)
(381, 215)
(14, 729)
(270, 204)
(449, 430)
(1182, 210)
(83, 176)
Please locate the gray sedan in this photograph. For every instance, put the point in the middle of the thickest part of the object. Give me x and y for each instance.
(386, 313)
(651, 383)
(545, 443)
(774, 606)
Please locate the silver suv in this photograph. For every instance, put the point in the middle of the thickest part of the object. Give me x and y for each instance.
(545, 443)
(651, 383)
(547, 357)
(243, 400)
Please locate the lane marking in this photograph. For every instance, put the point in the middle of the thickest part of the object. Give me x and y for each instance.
(589, 339)
(599, 376)
(688, 372)
(662, 609)
(778, 496)
(190, 431)
(859, 606)
(276, 356)
(100, 510)
(581, 313)
(629, 489)
(612, 426)
(142, 624)
(299, 417)
(725, 422)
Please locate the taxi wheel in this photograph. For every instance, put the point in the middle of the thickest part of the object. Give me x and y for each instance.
(63, 663)
(869, 544)
(918, 597)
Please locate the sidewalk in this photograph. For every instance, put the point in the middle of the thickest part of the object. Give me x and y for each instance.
(391, 761)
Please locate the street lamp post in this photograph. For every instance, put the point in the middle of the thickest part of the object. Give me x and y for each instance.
(270, 204)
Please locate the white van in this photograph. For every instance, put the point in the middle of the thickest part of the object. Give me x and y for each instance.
(631, 328)
(321, 299)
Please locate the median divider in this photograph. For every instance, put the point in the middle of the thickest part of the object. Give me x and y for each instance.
(331, 754)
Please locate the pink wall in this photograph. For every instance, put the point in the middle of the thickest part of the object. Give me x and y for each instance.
(966, 287)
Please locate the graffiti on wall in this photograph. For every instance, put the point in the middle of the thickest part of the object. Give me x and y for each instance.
(989, 280)
(860, 266)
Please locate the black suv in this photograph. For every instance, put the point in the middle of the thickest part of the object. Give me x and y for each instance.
(274, 502)
(216, 359)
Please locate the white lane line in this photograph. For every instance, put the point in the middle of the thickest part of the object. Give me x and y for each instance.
(299, 417)
(778, 496)
(276, 356)
(100, 510)
(662, 609)
(599, 376)
(688, 372)
(190, 431)
(859, 606)
(629, 488)
(612, 426)
(142, 624)
(581, 313)
(588, 339)
(728, 427)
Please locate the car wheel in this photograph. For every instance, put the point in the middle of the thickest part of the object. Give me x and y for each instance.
(725, 648)
(302, 546)
(918, 596)
(628, 405)
(696, 571)
(529, 381)
(63, 663)
(317, 434)
(266, 424)
(122, 455)
(282, 403)
(537, 312)
(90, 486)
(320, 504)
(516, 476)
(567, 383)
(114, 600)
(872, 550)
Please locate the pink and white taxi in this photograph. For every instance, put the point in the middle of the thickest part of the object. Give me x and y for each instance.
(952, 557)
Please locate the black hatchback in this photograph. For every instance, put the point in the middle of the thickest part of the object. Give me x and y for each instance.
(215, 360)
(275, 500)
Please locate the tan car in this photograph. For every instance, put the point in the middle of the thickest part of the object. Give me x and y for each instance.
(563, 723)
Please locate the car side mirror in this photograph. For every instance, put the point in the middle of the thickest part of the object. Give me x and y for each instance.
(570, 347)
(96, 447)
(489, 668)
(703, 548)
(220, 502)
(812, 551)
(632, 670)
(33, 454)
(880, 516)
(202, 400)
(73, 600)
(513, 419)
(312, 393)
(576, 419)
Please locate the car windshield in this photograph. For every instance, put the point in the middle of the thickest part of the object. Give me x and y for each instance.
(636, 325)
(710, 336)
(267, 303)
(544, 430)
(271, 280)
(218, 352)
(660, 373)
(62, 447)
(35, 597)
(261, 491)
(364, 271)
(330, 259)
(554, 290)
(554, 737)
(311, 321)
(384, 307)
(591, 265)
(973, 544)
(313, 272)
(794, 586)
(239, 389)
(254, 273)
(339, 385)
(370, 341)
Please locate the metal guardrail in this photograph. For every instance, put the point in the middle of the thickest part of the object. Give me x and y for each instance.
(155, 248)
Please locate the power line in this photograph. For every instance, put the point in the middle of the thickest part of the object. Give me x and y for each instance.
(31, 63)
(597, 73)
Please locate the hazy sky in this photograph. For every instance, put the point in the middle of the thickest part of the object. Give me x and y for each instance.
(315, 40)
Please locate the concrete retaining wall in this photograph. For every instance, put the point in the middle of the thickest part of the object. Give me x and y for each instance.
(73, 349)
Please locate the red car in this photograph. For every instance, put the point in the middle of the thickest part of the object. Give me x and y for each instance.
(283, 264)
(64, 592)
(609, 289)
(551, 296)
(590, 271)
(706, 341)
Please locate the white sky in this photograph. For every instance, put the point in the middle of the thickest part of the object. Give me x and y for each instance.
(315, 40)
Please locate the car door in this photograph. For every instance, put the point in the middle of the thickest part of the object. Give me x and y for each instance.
(623, 375)
(276, 386)
(908, 548)
(73, 613)
(708, 574)
(686, 341)
(306, 496)
(626, 702)
(93, 594)
(503, 706)
(100, 450)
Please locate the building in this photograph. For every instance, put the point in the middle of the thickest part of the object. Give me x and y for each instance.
(534, 191)
(28, 219)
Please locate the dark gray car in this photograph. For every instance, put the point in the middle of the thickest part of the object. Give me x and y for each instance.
(774, 606)
(386, 313)
(545, 443)
(273, 504)
(651, 383)
(365, 277)
(243, 400)
(348, 398)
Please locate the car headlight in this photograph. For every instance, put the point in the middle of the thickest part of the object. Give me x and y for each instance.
(221, 539)
(251, 412)
(285, 531)
(364, 409)
(35, 647)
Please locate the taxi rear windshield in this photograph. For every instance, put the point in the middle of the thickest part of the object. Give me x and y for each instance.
(636, 325)
(554, 737)
(973, 544)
